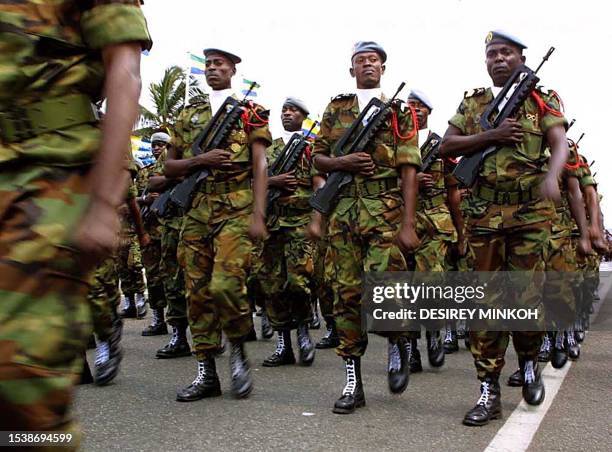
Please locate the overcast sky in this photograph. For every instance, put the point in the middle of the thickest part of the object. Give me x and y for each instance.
(304, 48)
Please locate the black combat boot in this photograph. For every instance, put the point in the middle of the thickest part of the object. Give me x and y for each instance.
(414, 357)
(266, 330)
(306, 345)
(128, 311)
(242, 383)
(435, 349)
(315, 323)
(533, 386)
(559, 352)
(283, 353)
(398, 365)
(451, 344)
(86, 376)
(206, 383)
(141, 305)
(488, 406)
(352, 394)
(158, 326)
(544, 354)
(516, 379)
(109, 355)
(178, 345)
(573, 347)
(331, 339)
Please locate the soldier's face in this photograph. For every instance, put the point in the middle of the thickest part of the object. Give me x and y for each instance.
(422, 111)
(502, 59)
(157, 147)
(292, 118)
(367, 69)
(219, 72)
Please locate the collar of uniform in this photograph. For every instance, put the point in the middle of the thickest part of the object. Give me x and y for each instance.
(365, 95)
(286, 135)
(218, 97)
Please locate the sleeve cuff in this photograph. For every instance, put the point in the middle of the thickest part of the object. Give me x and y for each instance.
(115, 24)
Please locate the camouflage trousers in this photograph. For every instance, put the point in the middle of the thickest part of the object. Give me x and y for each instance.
(129, 267)
(521, 248)
(359, 242)
(173, 278)
(287, 271)
(151, 259)
(255, 292)
(216, 259)
(589, 267)
(321, 285)
(45, 319)
(104, 297)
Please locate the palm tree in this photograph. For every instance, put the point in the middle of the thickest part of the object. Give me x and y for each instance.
(168, 98)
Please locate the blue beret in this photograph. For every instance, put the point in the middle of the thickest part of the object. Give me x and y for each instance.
(230, 56)
(369, 46)
(421, 97)
(297, 103)
(501, 35)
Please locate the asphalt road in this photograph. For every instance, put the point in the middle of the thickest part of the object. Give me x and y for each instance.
(290, 407)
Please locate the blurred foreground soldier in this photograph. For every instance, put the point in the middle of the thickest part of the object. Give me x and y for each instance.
(61, 181)
(151, 254)
(509, 209)
(287, 271)
(368, 222)
(225, 215)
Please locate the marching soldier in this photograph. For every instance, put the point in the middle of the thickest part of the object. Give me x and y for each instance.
(287, 271)
(368, 222)
(151, 254)
(226, 214)
(509, 209)
(61, 181)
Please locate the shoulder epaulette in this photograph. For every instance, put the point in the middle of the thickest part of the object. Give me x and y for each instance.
(343, 96)
(474, 92)
(199, 100)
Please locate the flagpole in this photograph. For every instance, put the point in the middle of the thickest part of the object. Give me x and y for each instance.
(187, 80)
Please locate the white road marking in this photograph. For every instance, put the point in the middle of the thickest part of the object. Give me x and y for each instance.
(520, 428)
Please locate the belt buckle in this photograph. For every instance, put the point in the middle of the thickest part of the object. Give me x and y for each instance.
(18, 118)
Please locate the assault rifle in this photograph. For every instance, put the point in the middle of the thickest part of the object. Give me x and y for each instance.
(430, 150)
(355, 139)
(287, 161)
(212, 137)
(506, 105)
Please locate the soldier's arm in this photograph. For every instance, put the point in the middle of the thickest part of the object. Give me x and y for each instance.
(453, 197)
(559, 151)
(592, 207)
(456, 143)
(260, 189)
(314, 229)
(576, 205)
(176, 166)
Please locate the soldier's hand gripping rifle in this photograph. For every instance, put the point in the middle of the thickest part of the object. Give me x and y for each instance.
(212, 137)
(354, 139)
(430, 151)
(288, 161)
(506, 105)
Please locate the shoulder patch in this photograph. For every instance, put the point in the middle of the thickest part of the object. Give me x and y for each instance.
(198, 100)
(474, 92)
(343, 97)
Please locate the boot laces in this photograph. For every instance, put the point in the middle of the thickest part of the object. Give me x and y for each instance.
(237, 361)
(529, 372)
(571, 339)
(156, 317)
(433, 341)
(484, 394)
(102, 353)
(351, 378)
(303, 337)
(199, 379)
(448, 337)
(559, 340)
(395, 360)
(408, 348)
(140, 299)
(329, 332)
(280, 343)
(126, 301)
(175, 337)
(545, 347)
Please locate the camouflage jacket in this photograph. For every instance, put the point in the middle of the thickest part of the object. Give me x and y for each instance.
(564, 222)
(253, 126)
(388, 151)
(51, 48)
(151, 223)
(297, 200)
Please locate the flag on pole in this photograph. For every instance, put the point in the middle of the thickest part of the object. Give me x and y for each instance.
(198, 64)
(249, 88)
(311, 128)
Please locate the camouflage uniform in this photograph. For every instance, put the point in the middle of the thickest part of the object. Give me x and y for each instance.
(322, 286)
(151, 254)
(46, 56)
(129, 259)
(215, 249)
(508, 224)
(367, 217)
(287, 256)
